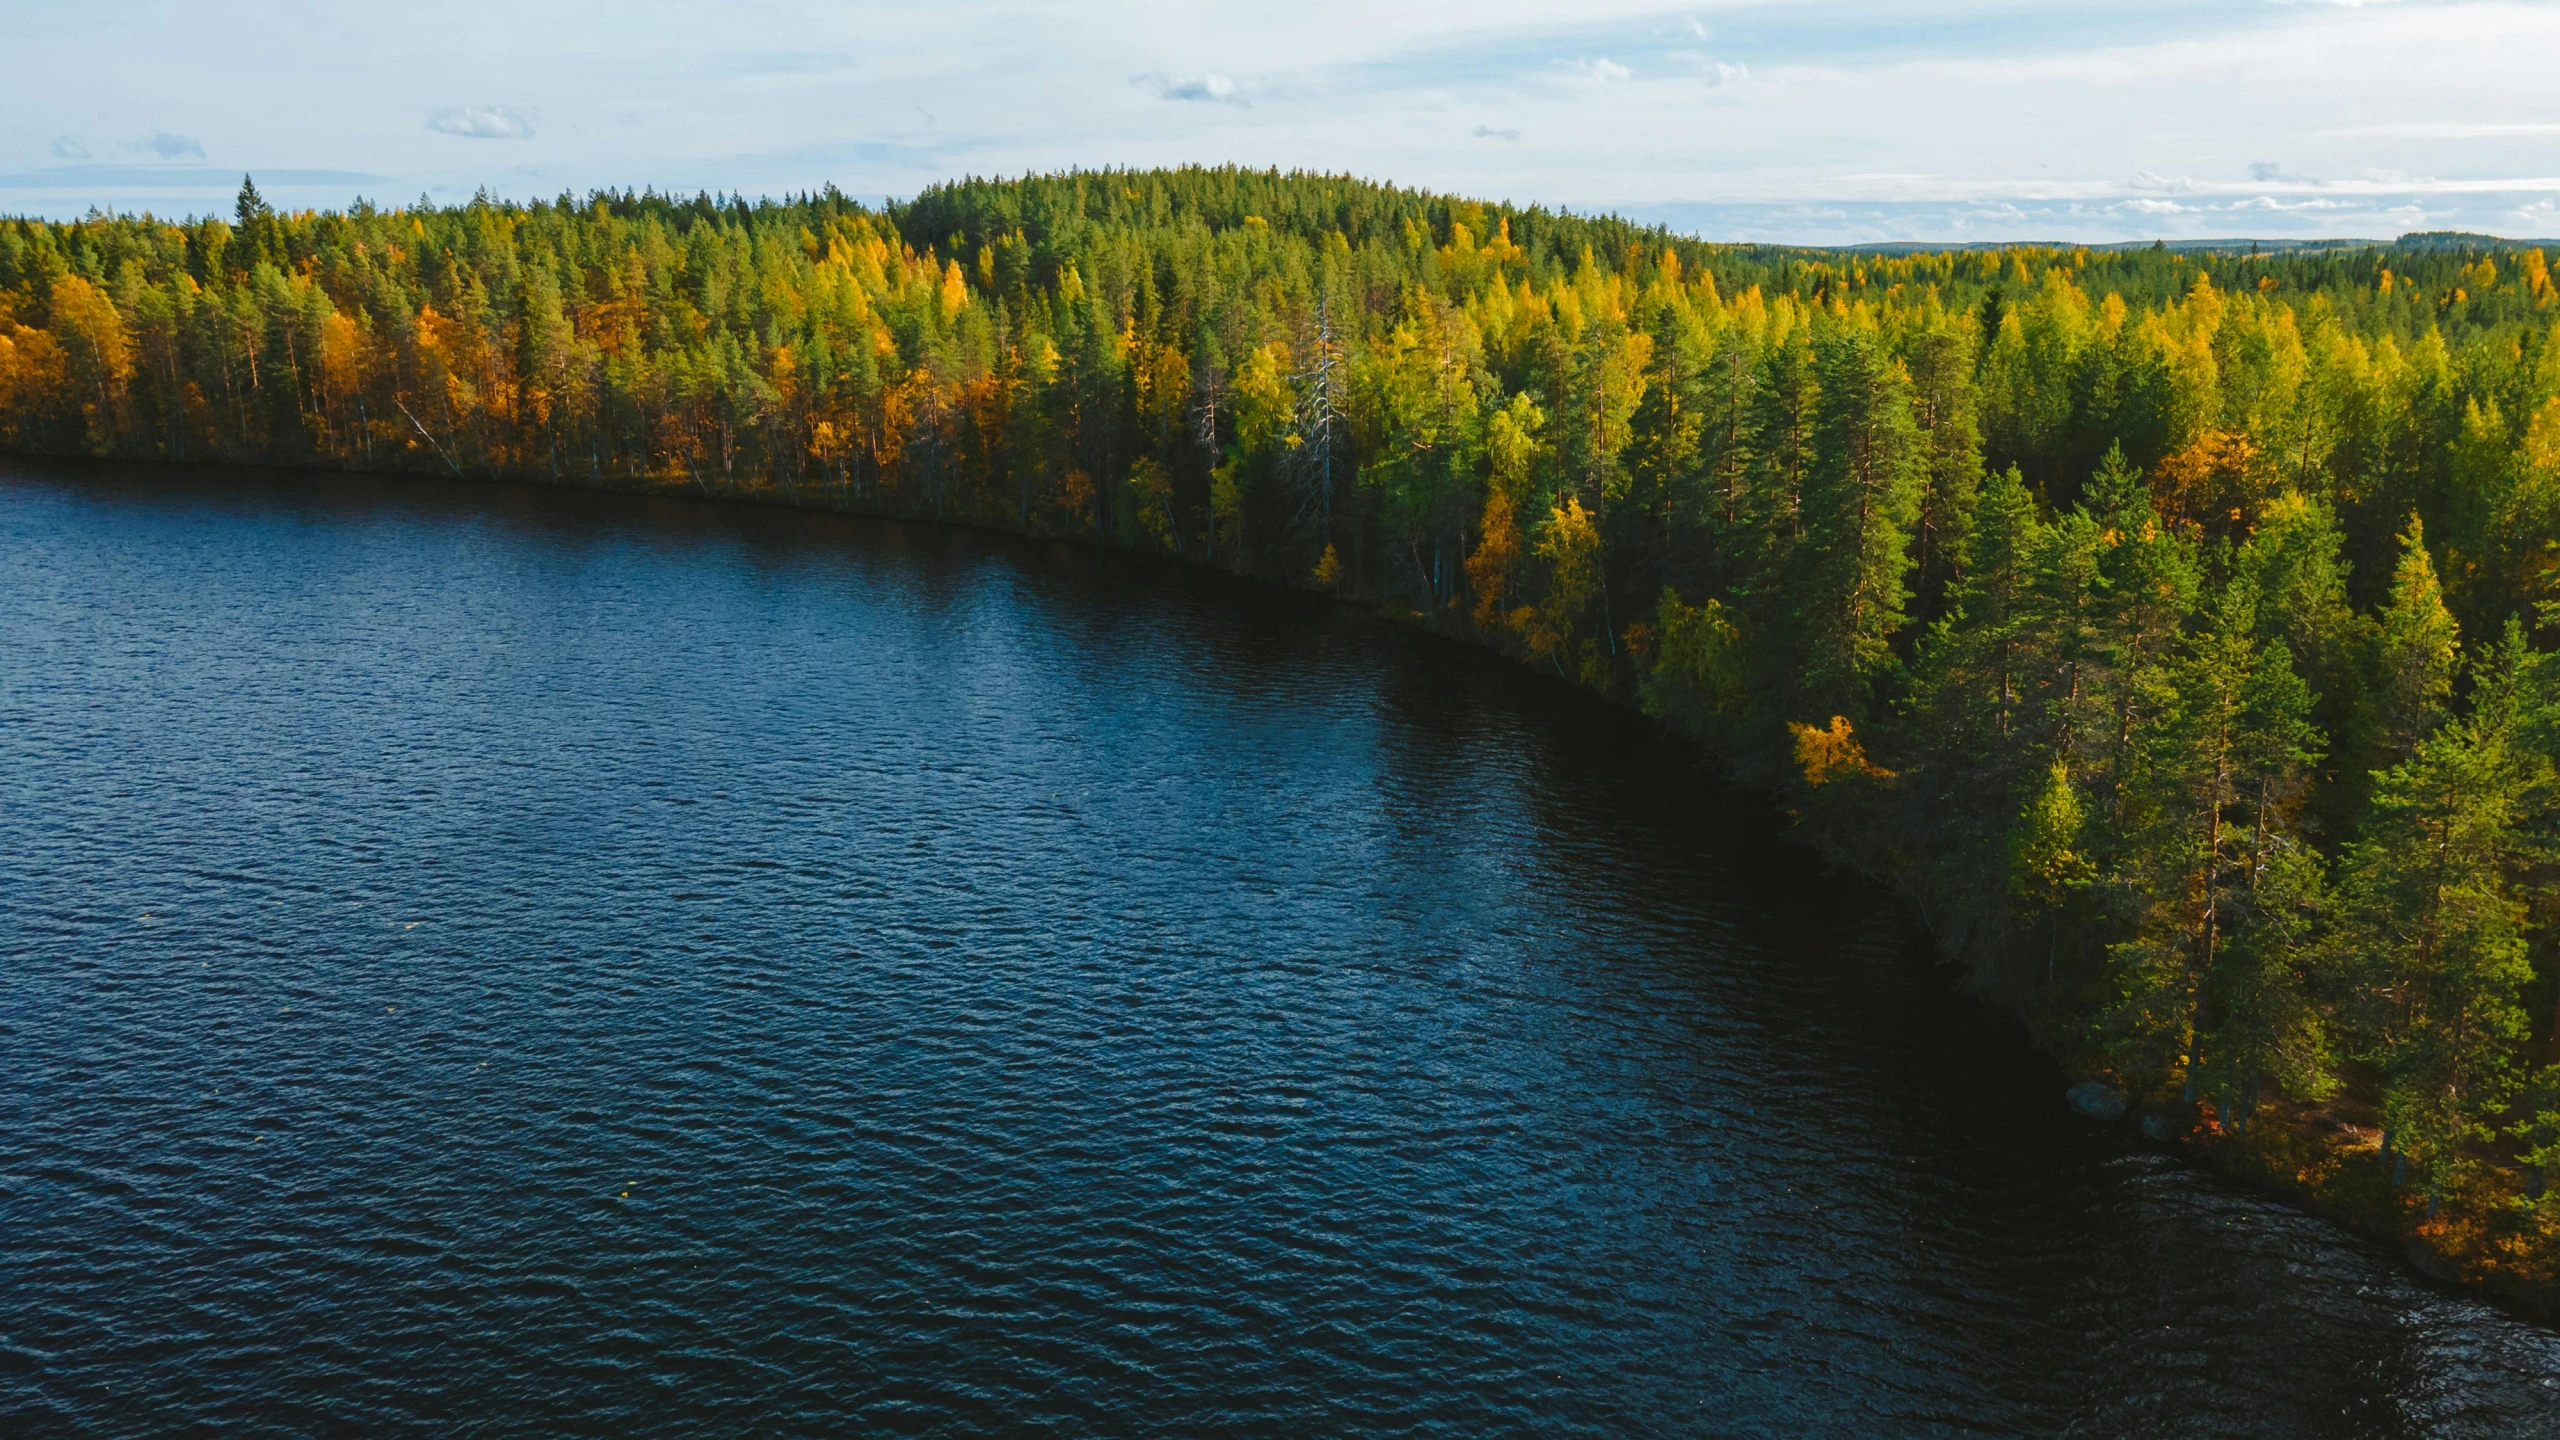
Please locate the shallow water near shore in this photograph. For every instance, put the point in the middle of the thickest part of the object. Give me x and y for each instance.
(497, 961)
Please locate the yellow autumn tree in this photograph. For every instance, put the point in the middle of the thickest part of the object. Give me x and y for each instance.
(99, 357)
(1570, 544)
(1512, 448)
(2213, 483)
(1833, 752)
(33, 381)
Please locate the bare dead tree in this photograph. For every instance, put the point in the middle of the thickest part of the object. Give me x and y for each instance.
(1320, 421)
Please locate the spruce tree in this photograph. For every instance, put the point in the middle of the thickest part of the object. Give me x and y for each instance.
(1861, 493)
(2433, 927)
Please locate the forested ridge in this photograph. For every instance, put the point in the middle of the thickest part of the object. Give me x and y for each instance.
(2175, 629)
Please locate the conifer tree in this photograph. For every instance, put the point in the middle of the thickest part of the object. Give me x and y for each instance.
(1860, 495)
(2262, 998)
(2433, 929)
(2147, 582)
(259, 236)
(2415, 650)
(1940, 363)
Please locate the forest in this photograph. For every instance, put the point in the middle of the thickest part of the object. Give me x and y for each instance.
(2174, 628)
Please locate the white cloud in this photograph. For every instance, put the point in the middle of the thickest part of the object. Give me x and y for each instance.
(483, 122)
(1715, 72)
(1208, 89)
(1604, 69)
(2147, 180)
(67, 148)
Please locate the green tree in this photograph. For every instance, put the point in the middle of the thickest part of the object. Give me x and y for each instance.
(1861, 493)
(2434, 926)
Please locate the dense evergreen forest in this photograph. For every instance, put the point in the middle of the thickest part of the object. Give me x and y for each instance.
(2176, 629)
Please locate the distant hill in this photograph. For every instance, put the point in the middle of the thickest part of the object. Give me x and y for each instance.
(2243, 245)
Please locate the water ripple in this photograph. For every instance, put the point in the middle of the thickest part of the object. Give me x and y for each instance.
(489, 962)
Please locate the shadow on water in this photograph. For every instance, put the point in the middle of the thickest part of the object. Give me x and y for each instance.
(517, 961)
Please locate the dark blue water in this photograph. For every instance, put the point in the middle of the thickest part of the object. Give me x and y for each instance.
(497, 962)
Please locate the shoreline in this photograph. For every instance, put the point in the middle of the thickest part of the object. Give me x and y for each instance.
(2304, 1156)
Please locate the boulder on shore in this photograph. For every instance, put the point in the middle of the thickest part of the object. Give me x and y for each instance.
(2097, 1099)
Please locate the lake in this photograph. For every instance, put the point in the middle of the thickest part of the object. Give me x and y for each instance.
(496, 961)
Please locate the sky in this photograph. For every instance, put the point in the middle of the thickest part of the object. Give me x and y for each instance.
(1805, 121)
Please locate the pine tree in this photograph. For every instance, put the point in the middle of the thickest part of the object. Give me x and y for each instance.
(2415, 651)
(1861, 493)
(2148, 579)
(1941, 365)
(2264, 998)
(2433, 926)
(2177, 785)
(261, 239)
